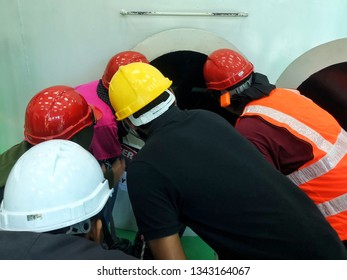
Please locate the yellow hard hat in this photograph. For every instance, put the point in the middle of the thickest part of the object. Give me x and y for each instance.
(134, 86)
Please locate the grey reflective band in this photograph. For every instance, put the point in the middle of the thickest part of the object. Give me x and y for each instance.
(324, 165)
(334, 206)
(296, 125)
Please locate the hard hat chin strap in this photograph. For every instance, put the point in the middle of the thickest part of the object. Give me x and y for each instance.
(80, 228)
(242, 87)
(154, 112)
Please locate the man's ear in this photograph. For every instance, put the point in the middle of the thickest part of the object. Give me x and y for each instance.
(171, 90)
(95, 232)
(130, 124)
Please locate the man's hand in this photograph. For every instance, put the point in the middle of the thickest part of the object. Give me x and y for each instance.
(115, 173)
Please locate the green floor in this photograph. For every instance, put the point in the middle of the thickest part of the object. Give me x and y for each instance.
(194, 247)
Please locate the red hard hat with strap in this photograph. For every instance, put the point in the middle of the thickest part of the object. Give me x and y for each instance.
(225, 68)
(57, 112)
(122, 58)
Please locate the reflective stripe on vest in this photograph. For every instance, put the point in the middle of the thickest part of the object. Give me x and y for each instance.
(334, 154)
(334, 206)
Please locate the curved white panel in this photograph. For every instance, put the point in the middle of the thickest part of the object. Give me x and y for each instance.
(182, 39)
(312, 61)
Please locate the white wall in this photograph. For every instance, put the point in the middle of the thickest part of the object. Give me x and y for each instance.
(49, 42)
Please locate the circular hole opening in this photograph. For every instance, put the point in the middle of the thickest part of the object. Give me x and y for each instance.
(185, 69)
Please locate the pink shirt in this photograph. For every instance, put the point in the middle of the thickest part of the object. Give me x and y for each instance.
(105, 143)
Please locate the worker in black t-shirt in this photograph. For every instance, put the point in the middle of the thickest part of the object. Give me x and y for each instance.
(196, 170)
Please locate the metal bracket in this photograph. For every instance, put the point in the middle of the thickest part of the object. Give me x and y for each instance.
(151, 13)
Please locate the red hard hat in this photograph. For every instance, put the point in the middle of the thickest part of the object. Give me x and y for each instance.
(120, 59)
(225, 68)
(57, 112)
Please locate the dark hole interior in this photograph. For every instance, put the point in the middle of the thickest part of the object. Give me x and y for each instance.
(328, 88)
(185, 69)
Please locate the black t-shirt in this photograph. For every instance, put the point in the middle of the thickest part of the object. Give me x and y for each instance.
(45, 246)
(197, 170)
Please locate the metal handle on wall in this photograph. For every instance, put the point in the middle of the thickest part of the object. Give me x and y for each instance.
(152, 13)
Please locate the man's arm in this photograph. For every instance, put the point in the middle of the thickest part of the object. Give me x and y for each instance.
(114, 173)
(167, 248)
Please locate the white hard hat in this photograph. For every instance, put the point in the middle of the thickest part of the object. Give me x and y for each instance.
(53, 185)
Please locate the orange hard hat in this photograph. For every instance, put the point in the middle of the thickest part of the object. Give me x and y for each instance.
(225, 68)
(57, 112)
(120, 59)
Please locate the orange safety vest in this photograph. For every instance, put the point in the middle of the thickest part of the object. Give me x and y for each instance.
(324, 178)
